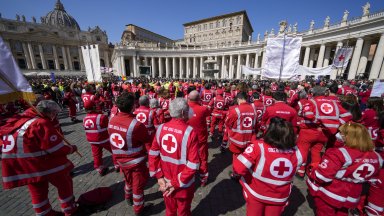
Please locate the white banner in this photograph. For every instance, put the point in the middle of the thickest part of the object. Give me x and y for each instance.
(342, 57)
(92, 62)
(306, 71)
(250, 71)
(13, 84)
(378, 88)
(282, 55)
(106, 69)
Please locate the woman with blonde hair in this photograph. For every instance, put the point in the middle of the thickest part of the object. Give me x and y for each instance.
(336, 184)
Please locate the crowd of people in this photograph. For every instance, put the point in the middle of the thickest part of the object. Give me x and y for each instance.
(328, 132)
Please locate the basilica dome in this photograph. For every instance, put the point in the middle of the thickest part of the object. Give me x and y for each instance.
(60, 18)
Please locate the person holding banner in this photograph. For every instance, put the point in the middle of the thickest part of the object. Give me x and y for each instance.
(34, 154)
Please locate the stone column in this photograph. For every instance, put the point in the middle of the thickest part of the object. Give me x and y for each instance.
(201, 66)
(320, 58)
(174, 67)
(381, 75)
(106, 59)
(364, 57)
(355, 59)
(70, 65)
(153, 68)
(263, 60)
(122, 63)
(26, 56)
(327, 56)
(378, 59)
(32, 56)
(306, 56)
(256, 63)
(42, 57)
(230, 67)
(82, 66)
(194, 68)
(223, 72)
(134, 65)
(161, 71)
(146, 61)
(167, 67)
(238, 68)
(335, 70)
(311, 57)
(188, 69)
(64, 58)
(57, 65)
(247, 60)
(181, 71)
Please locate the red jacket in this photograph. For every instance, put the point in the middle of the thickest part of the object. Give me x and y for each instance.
(32, 150)
(267, 172)
(267, 100)
(129, 139)
(228, 98)
(96, 127)
(338, 178)
(371, 121)
(240, 123)
(198, 120)
(279, 109)
(260, 109)
(146, 116)
(325, 113)
(88, 99)
(164, 104)
(174, 156)
(345, 90)
(206, 96)
(218, 104)
(364, 95)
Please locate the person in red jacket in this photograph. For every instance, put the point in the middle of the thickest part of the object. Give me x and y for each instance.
(159, 115)
(258, 105)
(70, 100)
(147, 116)
(345, 89)
(267, 167)
(174, 160)
(279, 109)
(128, 138)
(88, 96)
(95, 124)
(218, 105)
(336, 183)
(240, 125)
(33, 154)
(197, 119)
(370, 117)
(206, 96)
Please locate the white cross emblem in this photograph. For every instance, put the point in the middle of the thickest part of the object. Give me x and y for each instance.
(364, 171)
(247, 122)
(89, 124)
(8, 143)
(141, 117)
(169, 143)
(268, 101)
(208, 97)
(165, 104)
(281, 168)
(117, 140)
(219, 105)
(326, 108)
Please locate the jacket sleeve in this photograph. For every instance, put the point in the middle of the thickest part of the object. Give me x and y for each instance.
(243, 162)
(104, 121)
(49, 139)
(331, 163)
(154, 160)
(211, 103)
(185, 178)
(309, 111)
(345, 116)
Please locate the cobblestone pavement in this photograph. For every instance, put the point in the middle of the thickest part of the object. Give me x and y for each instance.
(221, 196)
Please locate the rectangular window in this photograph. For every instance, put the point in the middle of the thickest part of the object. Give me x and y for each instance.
(211, 26)
(205, 26)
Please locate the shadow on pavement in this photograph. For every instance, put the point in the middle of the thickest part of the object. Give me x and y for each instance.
(296, 199)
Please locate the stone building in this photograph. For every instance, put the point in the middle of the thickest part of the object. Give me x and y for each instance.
(365, 34)
(53, 43)
(227, 29)
(134, 33)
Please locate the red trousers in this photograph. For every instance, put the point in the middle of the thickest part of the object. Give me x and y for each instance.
(311, 140)
(217, 120)
(178, 206)
(203, 156)
(39, 194)
(72, 110)
(257, 208)
(324, 209)
(97, 154)
(135, 181)
(375, 204)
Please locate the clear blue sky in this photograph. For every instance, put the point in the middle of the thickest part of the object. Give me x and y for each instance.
(167, 16)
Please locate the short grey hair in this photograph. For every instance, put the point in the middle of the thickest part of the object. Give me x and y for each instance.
(302, 94)
(48, 106)
(153, 103)
(177, 107)
(318, 91)
(144, 100)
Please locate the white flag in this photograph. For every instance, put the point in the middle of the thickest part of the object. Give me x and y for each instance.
(250, 71)
(342, 57)
(92, 62)
(307, 71)
(282, 55)
(13, 84)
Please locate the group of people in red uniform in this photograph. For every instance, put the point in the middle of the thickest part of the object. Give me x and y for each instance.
(329, 133)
